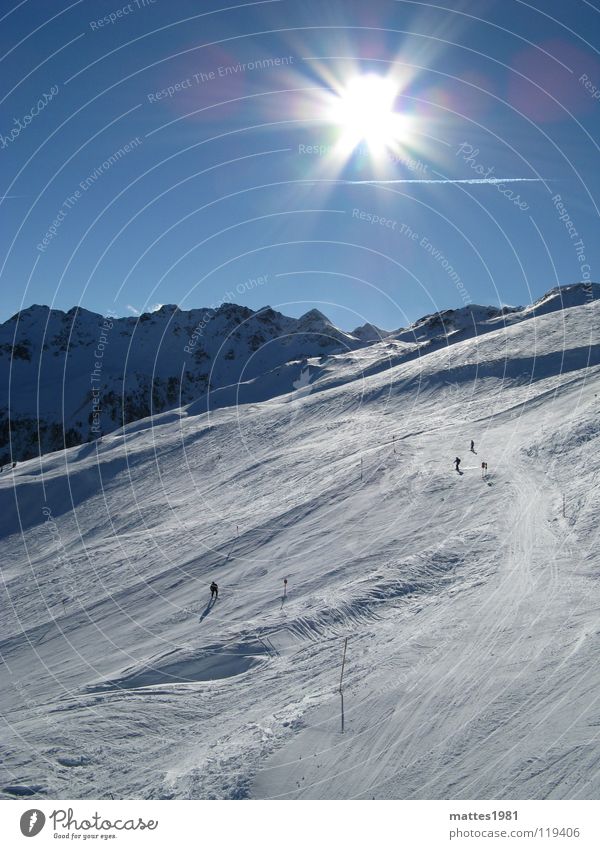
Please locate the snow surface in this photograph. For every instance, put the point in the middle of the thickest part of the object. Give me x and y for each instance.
(469, 604)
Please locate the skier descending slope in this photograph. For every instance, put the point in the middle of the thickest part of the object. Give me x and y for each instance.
(214, 590)
(472, 446)
(457, 464)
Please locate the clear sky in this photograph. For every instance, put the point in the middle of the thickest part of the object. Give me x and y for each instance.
(193, 152)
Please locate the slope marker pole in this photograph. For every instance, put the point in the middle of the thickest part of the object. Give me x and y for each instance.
(341, 680)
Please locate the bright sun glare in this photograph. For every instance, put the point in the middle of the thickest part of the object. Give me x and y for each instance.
(365, 112)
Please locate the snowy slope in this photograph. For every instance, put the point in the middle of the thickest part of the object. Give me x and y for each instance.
(469, 605)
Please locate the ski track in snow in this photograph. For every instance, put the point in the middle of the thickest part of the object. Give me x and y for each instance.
(469, 603)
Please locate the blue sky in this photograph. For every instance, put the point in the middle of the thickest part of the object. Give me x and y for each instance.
(185, 152)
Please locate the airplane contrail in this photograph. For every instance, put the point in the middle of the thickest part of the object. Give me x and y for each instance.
(489, 180)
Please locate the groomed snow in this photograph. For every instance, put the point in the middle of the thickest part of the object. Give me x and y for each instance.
(470, 604)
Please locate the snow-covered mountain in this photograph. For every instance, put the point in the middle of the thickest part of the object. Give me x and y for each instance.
(469, 602)
(67, 378)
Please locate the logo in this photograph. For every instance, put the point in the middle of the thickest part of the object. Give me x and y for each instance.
(32, 822)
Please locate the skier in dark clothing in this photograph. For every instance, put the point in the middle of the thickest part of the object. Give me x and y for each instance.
(214, 590)
(472, 446)
(457, 463)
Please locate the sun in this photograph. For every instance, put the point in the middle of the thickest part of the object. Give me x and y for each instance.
(364, 112)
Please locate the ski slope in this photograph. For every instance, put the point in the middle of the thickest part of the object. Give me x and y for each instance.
(469, 604)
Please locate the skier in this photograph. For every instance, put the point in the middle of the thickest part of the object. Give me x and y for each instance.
(483, 470)
(457, 462)
(472, 446)
(214, 590)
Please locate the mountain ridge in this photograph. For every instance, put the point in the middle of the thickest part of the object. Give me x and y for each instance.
(114, 371)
